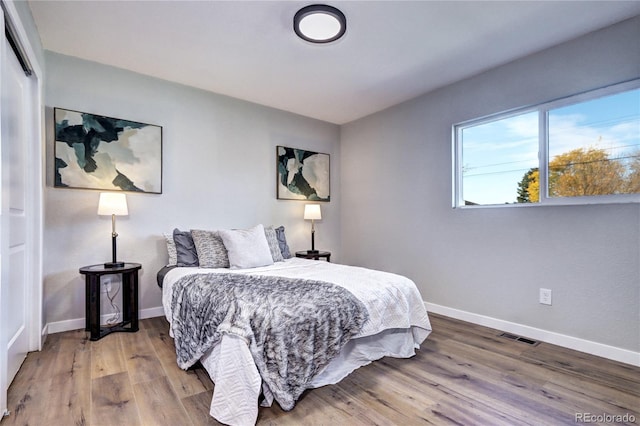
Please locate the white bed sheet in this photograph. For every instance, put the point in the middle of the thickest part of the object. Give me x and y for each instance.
(398, 323)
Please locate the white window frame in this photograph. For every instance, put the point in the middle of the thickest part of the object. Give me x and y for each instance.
(543, 154)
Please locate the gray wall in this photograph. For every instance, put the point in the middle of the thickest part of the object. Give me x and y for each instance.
(397, 215)
(219, 172)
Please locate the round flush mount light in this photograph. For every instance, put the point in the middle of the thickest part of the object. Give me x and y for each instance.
(319, 23)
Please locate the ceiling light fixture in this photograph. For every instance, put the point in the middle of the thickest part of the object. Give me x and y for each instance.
(319, 23)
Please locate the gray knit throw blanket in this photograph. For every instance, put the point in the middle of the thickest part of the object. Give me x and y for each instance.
(293, 327)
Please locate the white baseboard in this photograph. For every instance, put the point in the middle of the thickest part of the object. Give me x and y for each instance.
(43, 336)
(610, 352)
(79, 323)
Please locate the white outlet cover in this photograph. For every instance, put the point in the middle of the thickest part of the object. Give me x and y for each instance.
(545, 296)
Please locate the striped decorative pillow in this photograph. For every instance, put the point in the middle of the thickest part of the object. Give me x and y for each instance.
(171, 249)
(272, 239)
(210, 248)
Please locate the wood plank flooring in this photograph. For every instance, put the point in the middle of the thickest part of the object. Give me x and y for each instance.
(464, 374)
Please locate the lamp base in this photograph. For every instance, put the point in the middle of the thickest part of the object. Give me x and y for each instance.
(114, 265)
(313, 251)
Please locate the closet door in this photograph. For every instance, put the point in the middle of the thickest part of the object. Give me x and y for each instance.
(14, 215)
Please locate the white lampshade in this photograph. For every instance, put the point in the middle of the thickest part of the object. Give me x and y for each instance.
(113, 203)
(312, 212)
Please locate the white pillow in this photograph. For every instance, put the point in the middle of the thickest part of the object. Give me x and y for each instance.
(246, 248)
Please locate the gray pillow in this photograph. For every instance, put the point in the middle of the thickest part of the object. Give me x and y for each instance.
(210, 249)
(272, 240)
(282, 242)
(186, 254)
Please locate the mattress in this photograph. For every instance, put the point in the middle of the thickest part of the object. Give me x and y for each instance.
(398, 323)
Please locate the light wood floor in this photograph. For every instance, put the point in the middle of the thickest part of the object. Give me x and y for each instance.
(463, 375)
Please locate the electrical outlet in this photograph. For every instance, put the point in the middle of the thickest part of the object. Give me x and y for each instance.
(545, 296)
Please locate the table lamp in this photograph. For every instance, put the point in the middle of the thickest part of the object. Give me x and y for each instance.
(114, 204)
(312, 212)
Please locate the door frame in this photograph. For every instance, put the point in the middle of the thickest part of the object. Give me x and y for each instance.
(33, 202)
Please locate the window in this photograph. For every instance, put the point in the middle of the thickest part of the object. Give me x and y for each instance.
(582, 149)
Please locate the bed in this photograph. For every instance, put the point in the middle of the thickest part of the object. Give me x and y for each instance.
(382, 315)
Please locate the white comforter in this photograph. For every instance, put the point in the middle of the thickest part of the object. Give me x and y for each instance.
(397, 315)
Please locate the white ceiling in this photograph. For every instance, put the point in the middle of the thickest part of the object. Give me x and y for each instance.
(392, 51)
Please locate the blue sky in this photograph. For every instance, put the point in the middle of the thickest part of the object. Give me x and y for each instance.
(496, 155)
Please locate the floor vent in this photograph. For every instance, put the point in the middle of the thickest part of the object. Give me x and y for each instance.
(519, 339)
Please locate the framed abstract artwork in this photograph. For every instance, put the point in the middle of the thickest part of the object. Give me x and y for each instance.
(97, 152)
(302, 175)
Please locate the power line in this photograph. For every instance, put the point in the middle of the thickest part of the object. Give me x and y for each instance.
(598, 161)
(525, 161)
(562, 165)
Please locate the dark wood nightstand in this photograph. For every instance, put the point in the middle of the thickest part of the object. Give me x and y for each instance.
(129, 273)
(316, 256)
